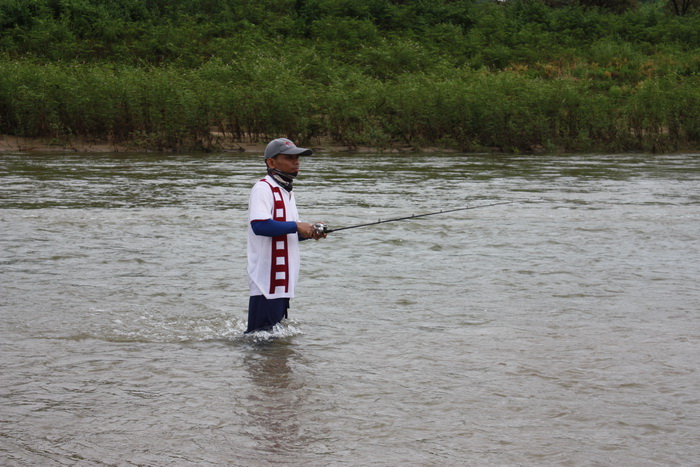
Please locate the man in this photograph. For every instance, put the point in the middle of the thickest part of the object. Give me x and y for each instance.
(274, 232)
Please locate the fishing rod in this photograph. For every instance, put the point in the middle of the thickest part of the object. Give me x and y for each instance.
(322, 228)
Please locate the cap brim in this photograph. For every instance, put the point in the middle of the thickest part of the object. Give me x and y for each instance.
(298, 151)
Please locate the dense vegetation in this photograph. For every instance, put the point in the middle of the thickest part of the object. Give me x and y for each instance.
(470, 75)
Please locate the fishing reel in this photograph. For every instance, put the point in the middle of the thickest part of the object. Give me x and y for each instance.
(320, 228)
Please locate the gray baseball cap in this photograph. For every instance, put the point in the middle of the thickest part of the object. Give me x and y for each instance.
(284, 146)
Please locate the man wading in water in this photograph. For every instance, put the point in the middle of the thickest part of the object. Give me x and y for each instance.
(274, 232)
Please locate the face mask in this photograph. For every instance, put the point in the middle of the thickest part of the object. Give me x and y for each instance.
(285, 179)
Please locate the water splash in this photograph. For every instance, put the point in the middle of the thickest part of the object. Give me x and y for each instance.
(153, 327)
(285, 329)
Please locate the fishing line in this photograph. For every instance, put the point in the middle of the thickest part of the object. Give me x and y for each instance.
(323, 228)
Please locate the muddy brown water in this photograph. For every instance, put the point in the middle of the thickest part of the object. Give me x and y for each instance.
(560, 329)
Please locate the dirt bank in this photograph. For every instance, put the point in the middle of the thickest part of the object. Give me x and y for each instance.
(10, 143)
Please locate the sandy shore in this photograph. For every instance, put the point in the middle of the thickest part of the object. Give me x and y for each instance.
(9, 143)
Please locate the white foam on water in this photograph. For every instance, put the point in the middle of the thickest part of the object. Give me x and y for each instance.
(154, 326)
(287, 328)
(157, 327)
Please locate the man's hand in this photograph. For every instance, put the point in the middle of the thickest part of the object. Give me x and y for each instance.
(306, 230)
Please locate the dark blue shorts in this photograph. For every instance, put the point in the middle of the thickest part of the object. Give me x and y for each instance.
(264, 313)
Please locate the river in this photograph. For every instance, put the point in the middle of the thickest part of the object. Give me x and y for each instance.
(561, 328)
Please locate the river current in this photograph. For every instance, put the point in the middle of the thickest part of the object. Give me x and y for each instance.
(561, 328)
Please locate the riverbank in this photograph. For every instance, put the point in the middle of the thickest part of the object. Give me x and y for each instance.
(10, 143)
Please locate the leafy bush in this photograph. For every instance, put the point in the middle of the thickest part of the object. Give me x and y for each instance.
(464, 74)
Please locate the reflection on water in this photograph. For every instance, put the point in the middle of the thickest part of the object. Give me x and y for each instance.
(560, 328)
(276, 398)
